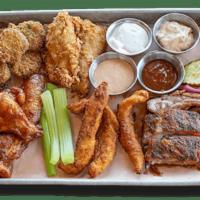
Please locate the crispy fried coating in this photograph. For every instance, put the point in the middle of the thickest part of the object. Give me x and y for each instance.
(106, 143)
(13, 44)
(34, 32)
(127, 136)
(85, 145)
(4, 73)
(93, 43)
(29, 64)
(33, 88)
(78, 107)
(13, 119)
(63, 50)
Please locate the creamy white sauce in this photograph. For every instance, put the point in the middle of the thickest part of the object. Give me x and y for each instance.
(129, 38)
(175, 36)
(117, 73)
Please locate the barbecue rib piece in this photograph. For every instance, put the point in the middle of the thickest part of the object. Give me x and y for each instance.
(174, 150)
(185, 101)
(172, 138)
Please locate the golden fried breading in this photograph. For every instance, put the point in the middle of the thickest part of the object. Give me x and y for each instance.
(63, 50)
(106, 143)
(127, 136)
(34, 32)
(78, 107)
(85, 145)
(13, 44)
(29, 64)
(13, 119)
(93, 43)
(4, 73)
(33, 88)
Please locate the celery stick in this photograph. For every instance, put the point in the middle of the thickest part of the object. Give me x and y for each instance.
(49, 110)
(64, 129)
(51, 87)
(51, 169)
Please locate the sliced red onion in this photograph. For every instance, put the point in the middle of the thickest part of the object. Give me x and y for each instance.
(190, 89)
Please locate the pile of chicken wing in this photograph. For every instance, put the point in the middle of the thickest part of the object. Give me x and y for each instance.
(19, 115)
(60, 52)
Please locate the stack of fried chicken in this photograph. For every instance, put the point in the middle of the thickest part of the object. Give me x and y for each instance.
(60, 52)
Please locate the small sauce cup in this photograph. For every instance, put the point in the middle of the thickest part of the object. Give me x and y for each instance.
(182, 19)
(107, 56)
(154, 55)
(117, 23)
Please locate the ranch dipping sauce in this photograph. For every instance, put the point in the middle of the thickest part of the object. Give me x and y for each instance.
(117, 73)
(129, 38)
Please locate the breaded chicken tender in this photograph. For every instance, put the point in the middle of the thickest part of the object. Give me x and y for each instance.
(29, 64)
(34, 32)
(13, 44)
(4, 73)
(93, 43)
(127, 135)
(106, 143)
(92, 116)
(63, 50)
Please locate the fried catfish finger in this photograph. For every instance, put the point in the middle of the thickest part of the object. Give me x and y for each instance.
(106, 143)
(33, 88)
(78, 107)
(63, 51)
(93, 43)
(13, 119)
(85, 145)
(127, 136)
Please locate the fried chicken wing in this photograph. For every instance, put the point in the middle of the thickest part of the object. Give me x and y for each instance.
(11, 148)
(29, 64)
(127, 136)
(33, 88)
(63, 50)
(34, 32)
(85, 145)
(13, 119)
(13, 44)
(17, 94)
(106, 143)
(4, 73)
(93, 43)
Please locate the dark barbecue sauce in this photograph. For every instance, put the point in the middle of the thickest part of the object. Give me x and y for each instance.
(159, 75)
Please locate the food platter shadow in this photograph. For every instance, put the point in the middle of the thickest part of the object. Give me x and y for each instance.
(102, 191)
